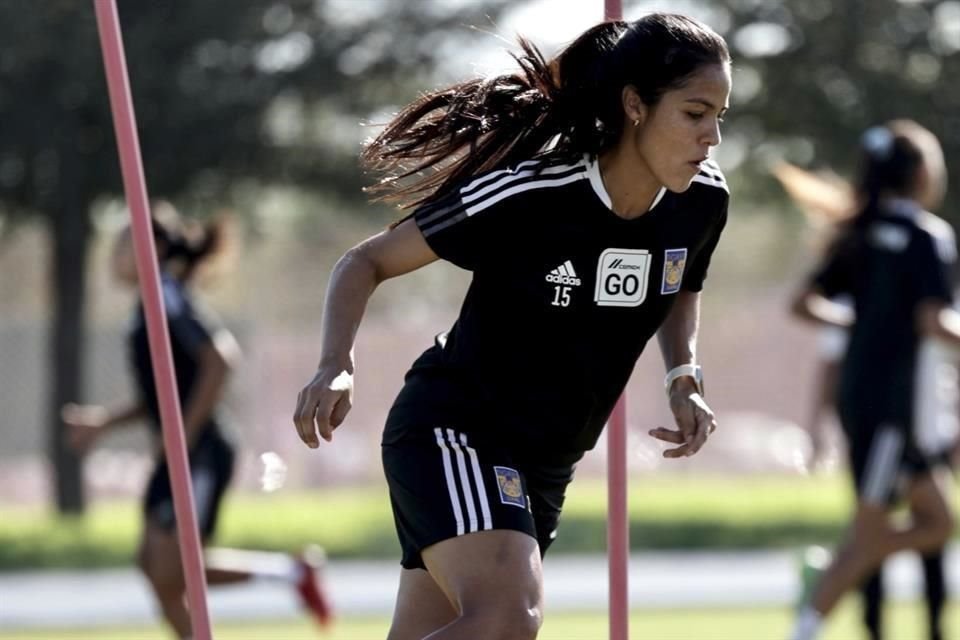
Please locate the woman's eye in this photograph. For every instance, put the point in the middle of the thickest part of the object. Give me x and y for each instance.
(695, 116)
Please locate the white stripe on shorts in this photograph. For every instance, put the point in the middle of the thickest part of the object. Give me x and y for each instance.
(451, 483)
(464, 481)
(883, 461)
(478, 480)
(203, 489)
(935, 398)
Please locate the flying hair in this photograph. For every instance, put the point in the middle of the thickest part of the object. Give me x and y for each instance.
(824, 198)
(570, 104)
(892, 156)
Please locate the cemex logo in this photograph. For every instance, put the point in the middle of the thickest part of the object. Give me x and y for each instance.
(618, 263)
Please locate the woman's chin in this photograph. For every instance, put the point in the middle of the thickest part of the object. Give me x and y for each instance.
(679, 185)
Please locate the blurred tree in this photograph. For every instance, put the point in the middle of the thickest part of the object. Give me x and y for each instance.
(223, 91)
(811, 75)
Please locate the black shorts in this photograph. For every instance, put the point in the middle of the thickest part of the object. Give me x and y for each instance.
(884, 457)
(446, 483)
(211, 466)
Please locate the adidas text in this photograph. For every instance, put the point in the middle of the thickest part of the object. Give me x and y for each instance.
(558, 279)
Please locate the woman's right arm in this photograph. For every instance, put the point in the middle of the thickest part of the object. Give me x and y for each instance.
(936, 319)
(88, 422)
(324, 402)
(812, 305)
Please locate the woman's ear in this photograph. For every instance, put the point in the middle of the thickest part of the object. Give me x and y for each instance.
(634, 110)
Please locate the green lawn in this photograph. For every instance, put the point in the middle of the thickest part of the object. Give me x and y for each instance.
(905, 622)
(667, 512)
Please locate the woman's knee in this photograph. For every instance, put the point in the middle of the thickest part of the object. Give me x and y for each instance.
(160, 562)
(942, 527)
(167, 583)
(871, 528)
(511, 610)
(506, 621)
(931, 511)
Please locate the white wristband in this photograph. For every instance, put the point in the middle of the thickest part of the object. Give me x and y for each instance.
(684, 370)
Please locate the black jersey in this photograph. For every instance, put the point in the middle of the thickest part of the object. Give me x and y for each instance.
(888, 266)
(190, 328)
(564, 296)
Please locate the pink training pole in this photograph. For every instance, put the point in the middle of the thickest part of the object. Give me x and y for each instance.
(134, 184)
(612, 10)
(618, 523)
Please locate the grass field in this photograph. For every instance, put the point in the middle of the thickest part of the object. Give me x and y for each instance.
(905, 622)
(667, 512)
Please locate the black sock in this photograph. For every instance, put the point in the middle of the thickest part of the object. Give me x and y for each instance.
(872, 591)
(935, 592)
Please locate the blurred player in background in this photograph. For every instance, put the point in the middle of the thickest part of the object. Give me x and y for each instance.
(204, 353)
(894, 260)
(828, 204)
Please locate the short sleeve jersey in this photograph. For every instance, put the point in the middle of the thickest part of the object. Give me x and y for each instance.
(888, 266)
(190, 329)
(564, 296)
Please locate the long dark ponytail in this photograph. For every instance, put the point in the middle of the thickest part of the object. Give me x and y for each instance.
(892, 155)
(190, 243)
(572, 101)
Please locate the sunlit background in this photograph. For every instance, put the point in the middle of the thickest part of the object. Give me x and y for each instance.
(258, 109)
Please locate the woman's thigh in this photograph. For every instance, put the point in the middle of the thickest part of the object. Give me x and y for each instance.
(159, 557)
(421, 607)
(497, 571)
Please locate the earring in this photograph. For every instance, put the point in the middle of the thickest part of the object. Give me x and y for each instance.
(636, 122)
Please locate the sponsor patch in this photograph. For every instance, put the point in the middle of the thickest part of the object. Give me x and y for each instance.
(622, 277)
(510, 487)
(674, 260)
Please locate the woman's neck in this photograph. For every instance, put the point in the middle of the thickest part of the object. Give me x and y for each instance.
(176, 269)
(632, 188)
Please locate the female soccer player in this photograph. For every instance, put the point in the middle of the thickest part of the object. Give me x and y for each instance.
(828, 205)
(203, 353)
(832, 349)
(893, 259)
(580, 194)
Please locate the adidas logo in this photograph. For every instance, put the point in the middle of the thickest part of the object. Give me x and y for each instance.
(564, 274)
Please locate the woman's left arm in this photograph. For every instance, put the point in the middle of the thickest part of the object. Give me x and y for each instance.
(678, 345)
(214, 359)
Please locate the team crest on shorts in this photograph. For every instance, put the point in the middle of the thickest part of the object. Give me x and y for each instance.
(510, 487)
(674, 260)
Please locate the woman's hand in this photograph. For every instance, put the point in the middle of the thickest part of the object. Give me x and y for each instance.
(86, 422)
(695, 421)
(323, 404)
